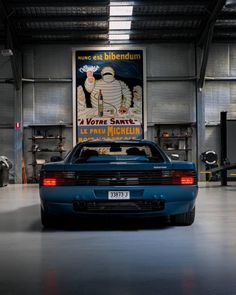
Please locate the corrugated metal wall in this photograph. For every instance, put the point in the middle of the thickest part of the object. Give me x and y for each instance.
(51, 102)
(171, 102)
(6, 109)
(171, 93)
(45, 62)
(168, 60)
(170, 89)
(44, 101)
(219, 92)
(48, 102)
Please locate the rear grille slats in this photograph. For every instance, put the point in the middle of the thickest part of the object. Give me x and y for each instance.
(107, 178)
(122, 178)
(125, 206)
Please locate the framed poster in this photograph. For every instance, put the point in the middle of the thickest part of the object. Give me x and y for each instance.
(108, 88)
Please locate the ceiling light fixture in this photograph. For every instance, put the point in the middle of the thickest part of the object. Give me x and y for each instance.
(118, 37)
(118, 25)
(122, 11)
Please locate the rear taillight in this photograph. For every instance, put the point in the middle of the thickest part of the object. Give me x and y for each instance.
(49, 178)
(184, 177)
(49, 182)
(187, 180)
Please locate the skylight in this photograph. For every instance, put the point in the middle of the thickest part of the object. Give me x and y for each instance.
(122, 11)
(119, 25)
(118, 36)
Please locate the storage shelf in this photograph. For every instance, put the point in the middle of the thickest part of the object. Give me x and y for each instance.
(47, 151)
(48, 125)
(175, 150)
(45, 138)
(41, 139)
(175, 138)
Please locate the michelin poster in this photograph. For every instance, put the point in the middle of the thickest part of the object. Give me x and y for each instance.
(109, 94)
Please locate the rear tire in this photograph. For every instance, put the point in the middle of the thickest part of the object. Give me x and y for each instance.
(184, 219)
(46, 219)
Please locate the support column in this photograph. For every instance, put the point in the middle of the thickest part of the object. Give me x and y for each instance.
(200, 120)
(18, 131)
(223, 141)
(204, 42)
(200, 131)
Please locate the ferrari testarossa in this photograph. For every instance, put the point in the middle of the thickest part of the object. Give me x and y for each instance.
(131, 178)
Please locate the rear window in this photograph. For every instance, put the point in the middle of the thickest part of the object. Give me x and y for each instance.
(116, 152)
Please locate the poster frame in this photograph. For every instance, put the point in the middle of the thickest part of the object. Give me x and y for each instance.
(121, 47)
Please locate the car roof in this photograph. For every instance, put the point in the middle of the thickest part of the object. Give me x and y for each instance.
(141, 141)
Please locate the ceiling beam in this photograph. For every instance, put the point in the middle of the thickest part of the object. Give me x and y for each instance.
(58, 3)
(224, 39)
(69, 32)
(161, 3)
(225, 29)
(206, 37)
(227, 16)
(5, 17)
(103, 18)
(100, 3)
(206, 26)
(205, 55)
(84, 31)
(160, 17)
(11, 42)
(64, 18)
(84, 41)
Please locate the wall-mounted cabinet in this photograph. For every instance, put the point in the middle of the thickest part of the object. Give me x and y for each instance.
(175, 138)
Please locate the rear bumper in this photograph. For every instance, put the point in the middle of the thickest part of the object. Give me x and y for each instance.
(60, 200)
(63, 209)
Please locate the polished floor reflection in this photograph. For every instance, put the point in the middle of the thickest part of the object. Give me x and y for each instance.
(120, 257)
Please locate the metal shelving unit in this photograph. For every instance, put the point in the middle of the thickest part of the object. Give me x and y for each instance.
(45, 139)
(175, 138)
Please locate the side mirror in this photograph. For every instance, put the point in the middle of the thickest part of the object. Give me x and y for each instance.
(174, 157)
(56, 159)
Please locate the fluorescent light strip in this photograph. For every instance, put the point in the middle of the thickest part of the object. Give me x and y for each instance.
(121, 10)
(120, 25)
(116, 25)
(119, 37)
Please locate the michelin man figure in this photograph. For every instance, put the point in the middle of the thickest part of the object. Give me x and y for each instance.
(81, 98)
(137, 97)
(115, 92)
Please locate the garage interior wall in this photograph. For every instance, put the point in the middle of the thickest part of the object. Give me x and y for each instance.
(171, 90)
(7, 94)
(219, 92)
(44, 100)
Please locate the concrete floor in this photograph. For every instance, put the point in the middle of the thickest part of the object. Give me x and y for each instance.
(137, 257)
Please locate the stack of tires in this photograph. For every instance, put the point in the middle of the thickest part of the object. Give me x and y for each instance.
(5, 166)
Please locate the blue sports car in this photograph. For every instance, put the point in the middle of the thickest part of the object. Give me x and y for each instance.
(118, 178)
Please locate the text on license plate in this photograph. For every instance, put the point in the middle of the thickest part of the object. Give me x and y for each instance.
(118, 195)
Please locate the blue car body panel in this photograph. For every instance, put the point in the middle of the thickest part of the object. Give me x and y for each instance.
(59, 200)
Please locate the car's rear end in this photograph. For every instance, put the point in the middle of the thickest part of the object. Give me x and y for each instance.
(117, 184)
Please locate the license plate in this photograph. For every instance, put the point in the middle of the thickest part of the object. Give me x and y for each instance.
(118, 195)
